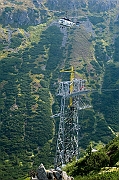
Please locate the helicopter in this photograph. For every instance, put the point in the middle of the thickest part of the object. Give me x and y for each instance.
(70, 22)
(66, 22)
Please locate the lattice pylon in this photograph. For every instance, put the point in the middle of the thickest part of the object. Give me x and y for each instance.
(67, 141)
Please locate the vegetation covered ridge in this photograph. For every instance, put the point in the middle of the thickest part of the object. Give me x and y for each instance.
(103, 164)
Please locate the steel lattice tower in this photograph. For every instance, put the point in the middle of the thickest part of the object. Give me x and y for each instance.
(68, 134)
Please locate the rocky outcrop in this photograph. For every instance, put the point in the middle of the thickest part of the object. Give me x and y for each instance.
(65, 5)
(101, 5)
(37, 3)
(94, 5)
(20, 17)
(43, 174)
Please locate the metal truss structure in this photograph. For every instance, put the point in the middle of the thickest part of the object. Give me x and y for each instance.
(68, 135)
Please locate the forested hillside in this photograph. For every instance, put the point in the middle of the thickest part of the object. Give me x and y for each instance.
(33, 49)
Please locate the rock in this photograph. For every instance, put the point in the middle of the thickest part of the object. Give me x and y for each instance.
(66, 177)
(37, 3)
(57, 175)
(41, 173)
(50, 175)
(20, 17)
(59, 170)
(64, 174)
(101, 6)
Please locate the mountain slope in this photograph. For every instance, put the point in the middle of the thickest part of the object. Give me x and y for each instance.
(33, 49)
(97, 165)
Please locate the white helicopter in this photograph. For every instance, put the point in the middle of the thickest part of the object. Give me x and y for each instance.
(66, 22)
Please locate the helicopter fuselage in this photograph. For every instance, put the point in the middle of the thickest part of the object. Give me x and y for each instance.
(66, 22)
